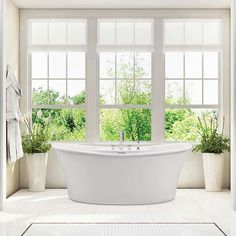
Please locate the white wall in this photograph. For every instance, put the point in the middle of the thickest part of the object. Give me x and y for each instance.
(12, 58)
(233, 104)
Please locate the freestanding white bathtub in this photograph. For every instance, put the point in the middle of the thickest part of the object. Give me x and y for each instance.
(98, 174)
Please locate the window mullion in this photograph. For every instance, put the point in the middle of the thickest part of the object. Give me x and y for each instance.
(92, 99)
(158, 85)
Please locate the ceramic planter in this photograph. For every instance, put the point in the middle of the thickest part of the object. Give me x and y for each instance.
(37, 169)
(213, 171)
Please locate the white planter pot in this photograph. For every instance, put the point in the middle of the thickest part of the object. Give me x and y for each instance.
(37, 169)
(213, 171)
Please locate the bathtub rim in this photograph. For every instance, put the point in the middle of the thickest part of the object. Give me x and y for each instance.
(181, 147)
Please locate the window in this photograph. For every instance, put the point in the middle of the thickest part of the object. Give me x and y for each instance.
(191, 75)
(125, 79)
(149, 76)
(58, 76)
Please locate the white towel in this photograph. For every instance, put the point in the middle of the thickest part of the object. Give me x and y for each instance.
(13, 94)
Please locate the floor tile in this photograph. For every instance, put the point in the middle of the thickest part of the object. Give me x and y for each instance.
(54, 206)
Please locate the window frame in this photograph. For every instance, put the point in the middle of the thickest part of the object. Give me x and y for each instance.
(92, 76)
(132, 48)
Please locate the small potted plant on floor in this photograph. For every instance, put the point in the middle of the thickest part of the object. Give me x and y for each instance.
(36, 146)
(212, 145)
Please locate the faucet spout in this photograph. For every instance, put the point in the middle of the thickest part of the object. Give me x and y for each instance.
(122, 139)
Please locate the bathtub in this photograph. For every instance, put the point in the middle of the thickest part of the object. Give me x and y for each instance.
(101, 175)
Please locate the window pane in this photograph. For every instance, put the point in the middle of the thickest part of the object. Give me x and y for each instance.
(193, 92)
(107, 65)
(143, 33)
(174, 92)
(107, 92)
(39, 33)
(76, 91)
(211, 32)
(136, 124)
(211, 92)
(57, 65)
(125, 65)
(193, 65)
(211, 66)
(39, 65)
(174, 33)
(76, 33)
(57, 33)
(174, 65)
(124, 32)
(125, 92)
(107, 32)
(64, 125)
(193, 32)
(143, 65)
(76, 65)
(182, 124)
(57, 91)
(143, 91)
(39, 92)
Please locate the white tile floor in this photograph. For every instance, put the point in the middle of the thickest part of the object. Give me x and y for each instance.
(190, 206)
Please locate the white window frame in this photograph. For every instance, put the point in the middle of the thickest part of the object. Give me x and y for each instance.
(50, 48)
(158, 84)
(132, 48)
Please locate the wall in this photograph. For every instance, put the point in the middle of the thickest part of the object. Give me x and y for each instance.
(233, 102)
(12, 58)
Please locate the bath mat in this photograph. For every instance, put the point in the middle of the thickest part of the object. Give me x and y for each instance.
(123, 229)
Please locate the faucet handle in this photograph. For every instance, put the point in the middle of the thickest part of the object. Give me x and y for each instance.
(122, 133)
(138, 142)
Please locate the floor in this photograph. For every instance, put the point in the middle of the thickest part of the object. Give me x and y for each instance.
(53, 205)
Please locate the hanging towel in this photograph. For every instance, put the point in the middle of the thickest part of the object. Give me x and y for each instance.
(13, 116)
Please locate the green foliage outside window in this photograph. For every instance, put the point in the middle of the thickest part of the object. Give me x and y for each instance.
(69, 124)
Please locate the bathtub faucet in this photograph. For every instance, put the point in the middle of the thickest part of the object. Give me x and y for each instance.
(122, 139)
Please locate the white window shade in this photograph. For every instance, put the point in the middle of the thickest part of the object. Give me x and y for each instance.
(192, 32)
(76, 33)
(122, 34)
(174, 33)
(39, 33)
(57, 33)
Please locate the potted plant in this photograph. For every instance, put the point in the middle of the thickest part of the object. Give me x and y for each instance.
(212, 144)
(36, 146)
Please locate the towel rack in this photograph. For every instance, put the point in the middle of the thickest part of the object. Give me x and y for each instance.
(8, 69)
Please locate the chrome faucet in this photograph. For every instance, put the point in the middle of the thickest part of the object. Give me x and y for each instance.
(138, 145)
(122, 139)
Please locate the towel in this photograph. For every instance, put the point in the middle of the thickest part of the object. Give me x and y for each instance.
(13, 116)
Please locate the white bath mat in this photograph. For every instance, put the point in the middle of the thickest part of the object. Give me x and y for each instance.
(122, 229)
